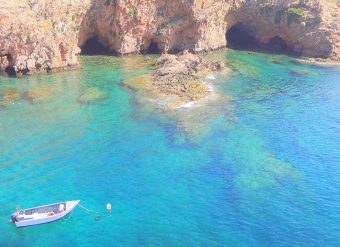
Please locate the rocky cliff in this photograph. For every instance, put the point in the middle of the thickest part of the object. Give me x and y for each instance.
(308, 28)
(39, 35)
(44, 35)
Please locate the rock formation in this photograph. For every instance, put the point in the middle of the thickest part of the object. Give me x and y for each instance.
(38, 93)
(183, 76)
(91, 95)
(39, 35)
(177, 80)
(306, 27)
(44, 35)
(8, 96)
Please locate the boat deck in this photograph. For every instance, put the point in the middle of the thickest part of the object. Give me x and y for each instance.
(39, 212)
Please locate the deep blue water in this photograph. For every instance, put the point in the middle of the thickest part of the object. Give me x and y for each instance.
(259, 168)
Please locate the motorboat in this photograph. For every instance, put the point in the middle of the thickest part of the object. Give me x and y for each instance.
(42, 214)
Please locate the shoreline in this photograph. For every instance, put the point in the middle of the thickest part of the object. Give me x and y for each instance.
(318, 62)
(3, 73)
(212, 94)
(324, 62)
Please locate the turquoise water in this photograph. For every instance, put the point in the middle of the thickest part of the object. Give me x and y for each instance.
(259, 167)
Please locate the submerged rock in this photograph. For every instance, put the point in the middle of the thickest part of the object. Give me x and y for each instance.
(38, 93)
(91, 95)
(299, 72)
(275, 60)
(8, 96)
(177, 81)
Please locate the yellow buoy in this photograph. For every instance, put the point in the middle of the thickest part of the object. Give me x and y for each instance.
(108, 206)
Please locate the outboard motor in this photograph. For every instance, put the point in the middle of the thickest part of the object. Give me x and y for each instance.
(13, 218)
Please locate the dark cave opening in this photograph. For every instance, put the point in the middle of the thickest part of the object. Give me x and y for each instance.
(94, 47)
(241, 37)
(276, 45)
(6, 65)
(153, 48)
(10, 71)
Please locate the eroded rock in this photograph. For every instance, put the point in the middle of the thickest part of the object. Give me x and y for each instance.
(45, 35)
(309, 28)
(39, 35)
(183, 76)
(176, 81)
(299, 72)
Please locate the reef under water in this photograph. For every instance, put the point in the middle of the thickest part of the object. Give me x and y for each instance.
(257, 166)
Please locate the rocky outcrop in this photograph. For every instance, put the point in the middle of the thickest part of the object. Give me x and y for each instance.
(91, 95)
(38, 93)
(177, 80)
(183, 76)
(309, 28)
(38, 35)
(44, 35)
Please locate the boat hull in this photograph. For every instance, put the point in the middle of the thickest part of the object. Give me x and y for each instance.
(40, 221)
(48, 219)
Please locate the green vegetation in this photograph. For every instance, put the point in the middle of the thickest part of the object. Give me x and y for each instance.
(155, 19)
(295, 13)
(116, 21)
(133, 11)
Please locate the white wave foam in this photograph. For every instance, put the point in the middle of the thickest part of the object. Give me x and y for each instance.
(210, 87)
(188, 104)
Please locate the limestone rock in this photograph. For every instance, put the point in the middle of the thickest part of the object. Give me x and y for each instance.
(309, 28)
(45, 35)
(39, 35)
(183, 76)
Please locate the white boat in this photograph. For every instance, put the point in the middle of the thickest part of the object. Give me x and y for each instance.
(42, 214)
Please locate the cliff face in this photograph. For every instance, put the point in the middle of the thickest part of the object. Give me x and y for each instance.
(44, 35)
(306, 27)
(309, 28)
(132, 25)
(38, 35)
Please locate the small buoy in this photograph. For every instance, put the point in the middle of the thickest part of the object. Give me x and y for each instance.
(108, 206)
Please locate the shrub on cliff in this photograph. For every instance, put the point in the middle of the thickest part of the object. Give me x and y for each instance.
(295, 13)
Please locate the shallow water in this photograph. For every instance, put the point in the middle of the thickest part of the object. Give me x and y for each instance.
(259, 167)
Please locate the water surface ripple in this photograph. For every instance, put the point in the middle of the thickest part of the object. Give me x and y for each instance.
(260, 167)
